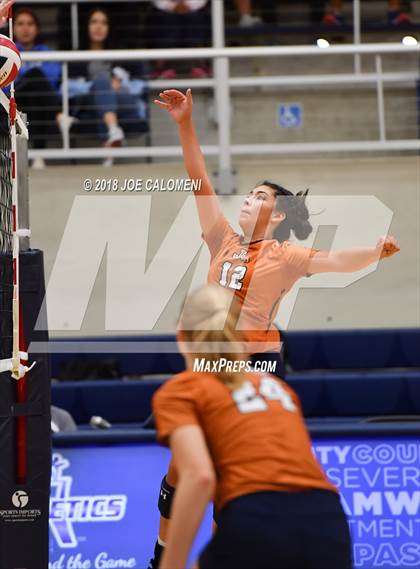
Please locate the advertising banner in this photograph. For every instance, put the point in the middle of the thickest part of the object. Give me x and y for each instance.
(104, 502)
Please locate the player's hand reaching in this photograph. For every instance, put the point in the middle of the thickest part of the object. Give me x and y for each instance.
(5, 6)
(178, 105)
(387, 246)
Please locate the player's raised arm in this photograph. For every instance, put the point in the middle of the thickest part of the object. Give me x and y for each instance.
(180, 108)
(354, 259)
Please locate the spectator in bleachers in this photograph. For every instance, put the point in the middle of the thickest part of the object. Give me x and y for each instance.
(396, 14)
(333, 13)
(246, 18)
(37, 85)
(123, 15)
(179, 23)
(104, 93)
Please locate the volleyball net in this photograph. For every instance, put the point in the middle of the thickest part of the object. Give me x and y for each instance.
(6, 244)
(25, 438)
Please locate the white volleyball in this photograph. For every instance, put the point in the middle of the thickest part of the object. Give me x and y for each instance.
(10, 61)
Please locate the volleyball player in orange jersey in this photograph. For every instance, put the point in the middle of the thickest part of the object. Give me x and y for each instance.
(259, 266)
(240, 438)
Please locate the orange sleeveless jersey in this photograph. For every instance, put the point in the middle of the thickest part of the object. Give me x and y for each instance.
(260, 274)
(256, 435)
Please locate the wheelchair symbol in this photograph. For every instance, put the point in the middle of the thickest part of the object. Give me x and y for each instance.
(290, 116)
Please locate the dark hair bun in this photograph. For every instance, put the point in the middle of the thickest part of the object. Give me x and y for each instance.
(302, 228)
(298, 216)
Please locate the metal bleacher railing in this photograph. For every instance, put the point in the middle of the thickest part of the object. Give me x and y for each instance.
(223, 83)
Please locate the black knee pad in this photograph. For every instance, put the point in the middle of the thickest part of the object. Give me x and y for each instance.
(166, 495)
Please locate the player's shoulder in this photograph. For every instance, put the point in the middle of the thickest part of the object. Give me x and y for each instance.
(179, 379)
(280, 246)
(186, 381)
(289, 247)
(277, 249)
(296, 247)
(293, 251)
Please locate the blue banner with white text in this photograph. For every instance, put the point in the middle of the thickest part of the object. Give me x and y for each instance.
(104, 502)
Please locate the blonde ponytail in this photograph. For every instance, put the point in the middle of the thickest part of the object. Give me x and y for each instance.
(209, 321)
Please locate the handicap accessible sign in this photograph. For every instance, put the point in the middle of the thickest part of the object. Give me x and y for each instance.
(290, 115)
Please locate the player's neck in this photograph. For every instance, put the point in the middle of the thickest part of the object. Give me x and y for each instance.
(255, 238)
(245, 241)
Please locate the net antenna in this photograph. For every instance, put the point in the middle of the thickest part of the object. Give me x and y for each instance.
(17, 363)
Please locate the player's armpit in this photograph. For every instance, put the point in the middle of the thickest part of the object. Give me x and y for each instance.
(218, 233)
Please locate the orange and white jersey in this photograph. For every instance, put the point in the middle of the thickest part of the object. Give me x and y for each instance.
(256, 434)
(260, 274)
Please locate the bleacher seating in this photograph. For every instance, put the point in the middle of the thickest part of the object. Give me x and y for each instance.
(307, 351)
(322, 395)
(354, 349)
(359, 373)
(287, 19)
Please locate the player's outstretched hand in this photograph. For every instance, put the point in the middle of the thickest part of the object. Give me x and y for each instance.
(178, 105)
(387, 246)
(5, 6)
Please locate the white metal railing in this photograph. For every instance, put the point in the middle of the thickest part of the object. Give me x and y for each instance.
(215, 53)
(222, 83)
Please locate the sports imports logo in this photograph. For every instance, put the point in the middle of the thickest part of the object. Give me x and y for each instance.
(20, 499)
(66, 510)
(19, 512)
